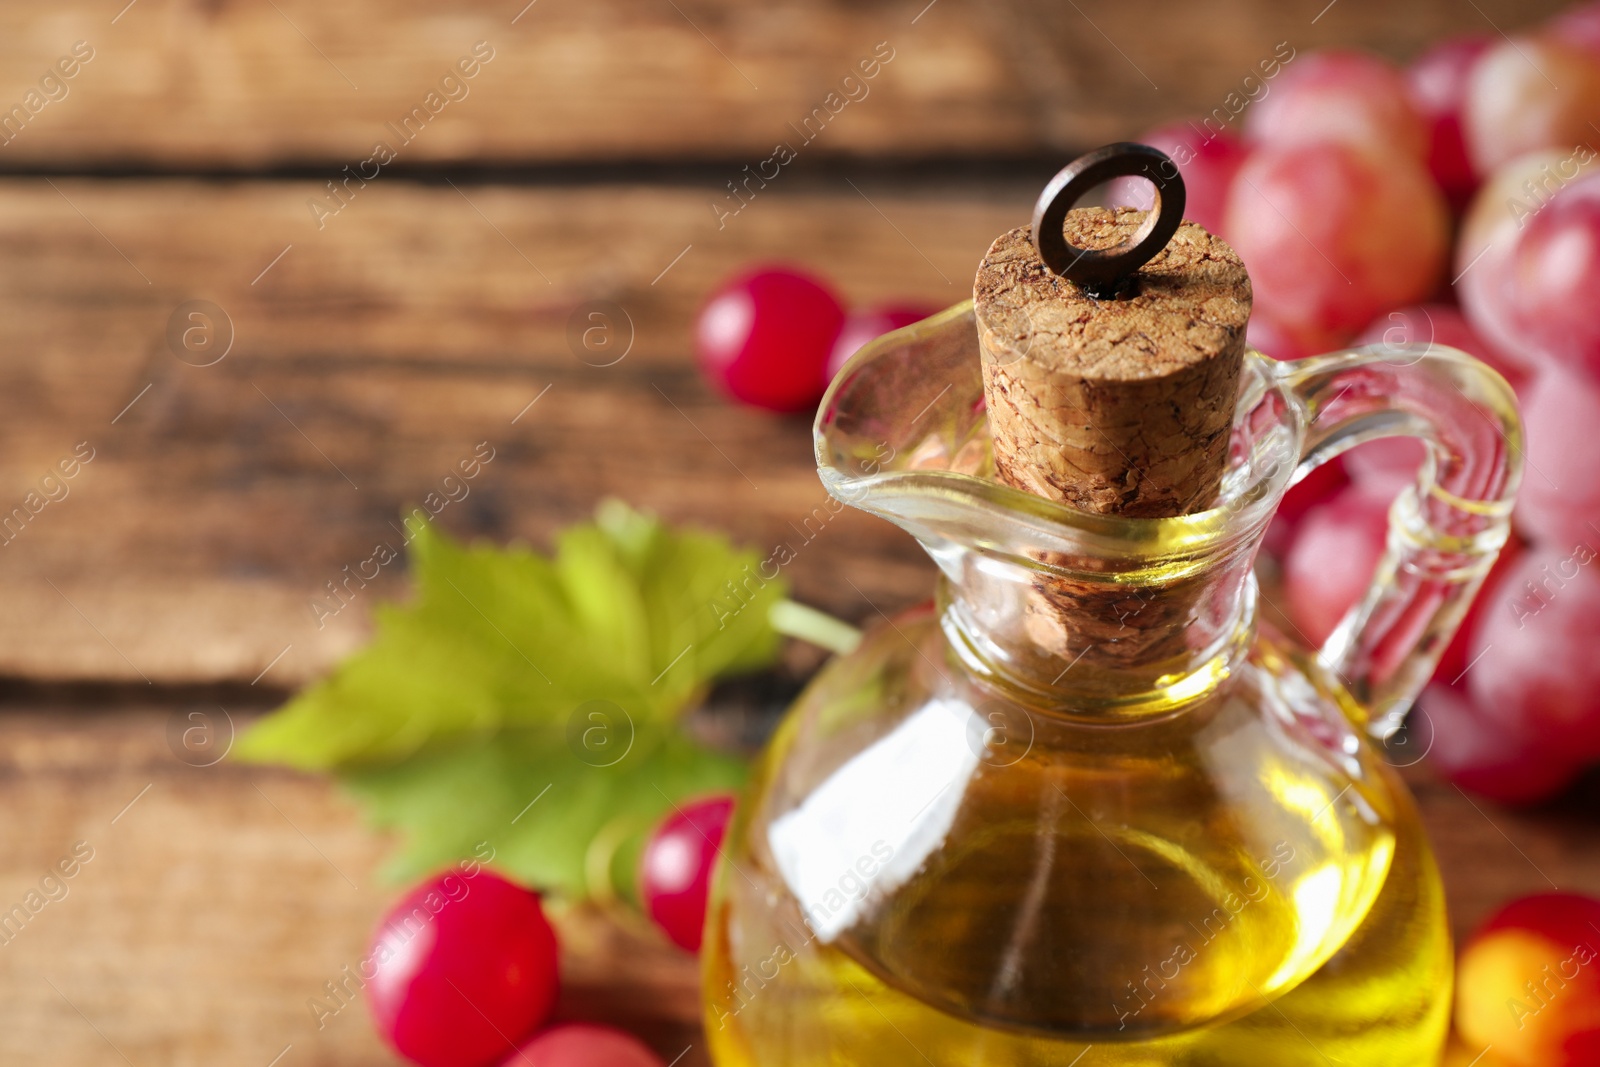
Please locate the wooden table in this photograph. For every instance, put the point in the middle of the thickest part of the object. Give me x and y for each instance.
(370, 347)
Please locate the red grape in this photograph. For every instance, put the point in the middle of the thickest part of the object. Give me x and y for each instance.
(1207, 162)
(1437, 324)
(1534, 670)
(583, 1045)
(675, 869)
(1333, 234)
(1560, 498)
(765, 336)
(1528, 94)
(1556, 274)
(1529, 983)
(1476, 754)
(868, 323)
(466, 965)
(1437, 84)
(1340, 95)
(1330, 564)
(1323, 482)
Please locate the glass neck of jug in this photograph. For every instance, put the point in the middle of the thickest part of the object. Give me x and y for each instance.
(1099, 643)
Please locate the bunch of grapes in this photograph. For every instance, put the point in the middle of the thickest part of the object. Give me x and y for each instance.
(1457, 202)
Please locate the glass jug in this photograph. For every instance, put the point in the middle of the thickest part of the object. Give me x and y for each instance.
(980, 838)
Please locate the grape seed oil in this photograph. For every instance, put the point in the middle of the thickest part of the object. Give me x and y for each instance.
(1184, 944)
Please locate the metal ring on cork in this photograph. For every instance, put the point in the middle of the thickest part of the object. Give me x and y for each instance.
(1098, 271)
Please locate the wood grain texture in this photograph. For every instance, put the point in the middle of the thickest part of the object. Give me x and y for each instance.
(370, 360)
(223, 898)
(248, 83)
(377, 342)
(218, 902)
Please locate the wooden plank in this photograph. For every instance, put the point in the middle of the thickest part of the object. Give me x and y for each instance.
(217, 901)
(368, 360)
(220, 899)
(181, 82)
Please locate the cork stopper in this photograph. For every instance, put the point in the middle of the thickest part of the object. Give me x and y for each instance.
(1120, 403)
(1113, 344)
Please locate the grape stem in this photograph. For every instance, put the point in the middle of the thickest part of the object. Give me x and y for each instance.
(801, 621)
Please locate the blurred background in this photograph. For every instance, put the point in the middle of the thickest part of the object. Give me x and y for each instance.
(270, 269)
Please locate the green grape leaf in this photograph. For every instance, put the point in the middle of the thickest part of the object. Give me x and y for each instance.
(509, 670)
(536, 805)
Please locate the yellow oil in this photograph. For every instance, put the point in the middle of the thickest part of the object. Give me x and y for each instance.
(1050, 934)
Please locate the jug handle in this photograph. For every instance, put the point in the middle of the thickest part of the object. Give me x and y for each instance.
(1445, 530)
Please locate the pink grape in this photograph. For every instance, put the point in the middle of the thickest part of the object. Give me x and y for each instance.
(764, 338)
(1527, 94)
(583, 1045)
(869, 323)
(1436, 84)
(675, 869)
(1381, 469)
(1457, 657)
(1207, 161)
(1437, 324)
(1556, 276)
(1333, 234)
(1333, 550)
(1386, 466)
(1535, 672)
(1478, 754)
(1267, 335)
(1339, 95)
(1331, 561)
(466, 965)
(1490, 232)
(1559, 503)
